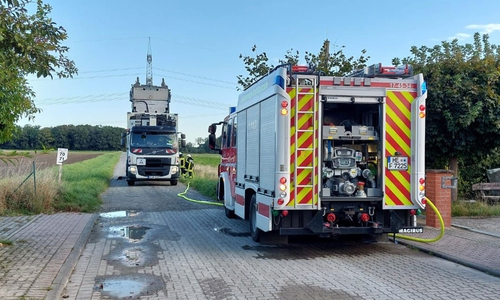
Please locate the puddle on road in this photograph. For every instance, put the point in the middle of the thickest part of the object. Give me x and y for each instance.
(131, 286)
(228, 231)
(133, 257)
(119, 214)
(133, 233)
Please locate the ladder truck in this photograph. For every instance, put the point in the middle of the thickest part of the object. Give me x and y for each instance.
(152, 139)
(308, 154)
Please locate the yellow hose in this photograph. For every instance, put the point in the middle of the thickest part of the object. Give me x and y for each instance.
(182, 195)
(415, 239)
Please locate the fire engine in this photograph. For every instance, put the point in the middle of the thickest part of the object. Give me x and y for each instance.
(308, 154)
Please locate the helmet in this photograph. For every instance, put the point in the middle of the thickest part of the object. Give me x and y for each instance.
(189, 155)
(180, 153)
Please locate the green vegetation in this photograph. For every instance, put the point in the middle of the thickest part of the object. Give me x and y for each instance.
(474, 209)
(463, 105)
(79, 189)
(334, 63)
(79, 137)
(31, 43)
(5, 242)
(83, 182)
(205, 174)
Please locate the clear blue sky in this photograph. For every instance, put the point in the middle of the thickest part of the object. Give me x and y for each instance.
(196, 44)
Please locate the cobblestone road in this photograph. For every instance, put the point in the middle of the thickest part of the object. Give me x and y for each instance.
(199, 254)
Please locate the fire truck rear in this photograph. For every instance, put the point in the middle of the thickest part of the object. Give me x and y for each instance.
(306, 154)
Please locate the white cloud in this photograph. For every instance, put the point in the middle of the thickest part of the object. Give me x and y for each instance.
(487, 28)
(460, 36)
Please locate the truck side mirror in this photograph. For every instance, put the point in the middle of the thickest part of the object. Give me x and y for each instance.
(183, 136)
(211, 142)
(124, 135)
(212, 129)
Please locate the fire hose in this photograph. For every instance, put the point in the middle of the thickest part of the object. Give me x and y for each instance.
(441, 222)
(183, 195)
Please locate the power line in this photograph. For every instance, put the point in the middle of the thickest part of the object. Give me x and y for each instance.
(197, 82)
(156, 74)
(121, 96)
(111, 70)
(196, 76)
(89, 77)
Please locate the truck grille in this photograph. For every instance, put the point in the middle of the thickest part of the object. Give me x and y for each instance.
(155, 167)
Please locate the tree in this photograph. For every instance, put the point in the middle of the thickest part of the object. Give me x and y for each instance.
(29, 44)
(336, 63)
(463, 102)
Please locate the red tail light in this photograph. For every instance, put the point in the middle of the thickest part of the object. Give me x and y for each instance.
(284, 213)
(364, 217)
(331, 217)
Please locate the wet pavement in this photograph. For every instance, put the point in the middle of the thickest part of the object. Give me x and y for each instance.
(46, 249)
(43, 253)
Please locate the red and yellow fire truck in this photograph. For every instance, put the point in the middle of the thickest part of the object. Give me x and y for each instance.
(307, 154)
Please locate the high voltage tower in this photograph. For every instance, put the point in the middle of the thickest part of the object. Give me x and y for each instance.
(149, 68)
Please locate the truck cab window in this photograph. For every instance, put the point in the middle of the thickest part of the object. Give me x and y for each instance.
(233, 137)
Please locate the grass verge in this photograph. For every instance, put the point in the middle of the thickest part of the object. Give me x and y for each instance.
(205, 174)
(474, 209)
(83, 182)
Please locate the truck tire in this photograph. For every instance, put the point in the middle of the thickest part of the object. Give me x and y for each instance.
(254, 231)
(130, 182)
(173, 182)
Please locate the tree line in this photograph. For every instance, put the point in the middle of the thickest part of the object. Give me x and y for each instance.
(79, 137)
(73, 137)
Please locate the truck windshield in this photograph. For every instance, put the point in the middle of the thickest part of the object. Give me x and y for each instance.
(154, 140)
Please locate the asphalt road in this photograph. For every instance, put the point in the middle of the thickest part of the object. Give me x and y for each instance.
(149, 243)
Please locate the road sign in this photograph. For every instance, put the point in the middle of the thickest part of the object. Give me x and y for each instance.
(62, 155)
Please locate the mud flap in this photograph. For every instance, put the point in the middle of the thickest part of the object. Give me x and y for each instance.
(264, 215)
(396, 222)
(239, 205)
(316, 223)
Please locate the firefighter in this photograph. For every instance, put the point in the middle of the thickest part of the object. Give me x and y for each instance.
(189, 170)
(182, 163)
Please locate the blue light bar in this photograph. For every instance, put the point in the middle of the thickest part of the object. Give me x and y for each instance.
(424, 87)
(280, 81)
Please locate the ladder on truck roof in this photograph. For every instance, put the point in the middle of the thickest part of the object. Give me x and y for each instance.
(377, 70)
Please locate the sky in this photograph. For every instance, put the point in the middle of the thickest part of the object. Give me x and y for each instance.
(195, 46)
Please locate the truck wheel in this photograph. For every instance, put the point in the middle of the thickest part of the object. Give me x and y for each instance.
(254, 231)
(173, 182)
(130, 182)
(229, 213)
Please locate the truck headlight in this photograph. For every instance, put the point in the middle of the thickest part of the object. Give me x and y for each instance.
(133, 170)
(174, 169)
